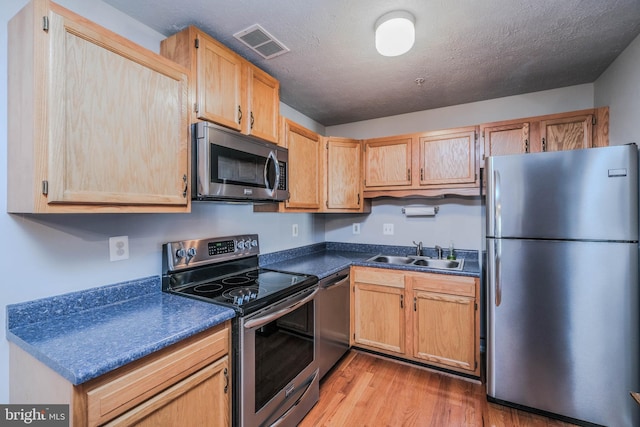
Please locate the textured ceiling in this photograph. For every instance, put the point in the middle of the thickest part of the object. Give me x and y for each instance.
(466, 50)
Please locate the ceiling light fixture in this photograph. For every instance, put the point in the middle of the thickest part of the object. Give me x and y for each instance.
(395, 33)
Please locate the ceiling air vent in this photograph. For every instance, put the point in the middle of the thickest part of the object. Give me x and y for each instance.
(258, 39)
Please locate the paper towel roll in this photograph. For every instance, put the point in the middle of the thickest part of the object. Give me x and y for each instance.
(420, 210)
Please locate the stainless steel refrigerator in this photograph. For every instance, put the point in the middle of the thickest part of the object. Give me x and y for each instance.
(562, 283)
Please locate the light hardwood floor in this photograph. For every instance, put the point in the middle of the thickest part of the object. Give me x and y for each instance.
(366, 390)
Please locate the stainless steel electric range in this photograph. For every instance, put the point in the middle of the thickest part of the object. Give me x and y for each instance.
(275, 364)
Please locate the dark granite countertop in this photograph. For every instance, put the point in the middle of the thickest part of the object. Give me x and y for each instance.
(324, 259)
(85, 334)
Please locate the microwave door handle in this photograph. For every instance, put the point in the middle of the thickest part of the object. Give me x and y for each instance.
(272, 160)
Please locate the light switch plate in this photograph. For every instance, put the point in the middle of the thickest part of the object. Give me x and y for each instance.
(294, 230)
(387, 229)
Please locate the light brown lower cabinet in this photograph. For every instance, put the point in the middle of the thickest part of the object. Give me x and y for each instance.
(377, 314)
(422, 317)
(187, 384)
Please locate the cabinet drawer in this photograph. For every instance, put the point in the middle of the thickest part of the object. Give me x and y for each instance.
(115, 393)
(445, 284)
(378, 276)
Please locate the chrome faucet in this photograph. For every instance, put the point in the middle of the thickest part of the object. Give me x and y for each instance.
(418, 248)
(439, 249)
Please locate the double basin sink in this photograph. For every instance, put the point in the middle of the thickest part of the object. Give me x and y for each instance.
(422, 261)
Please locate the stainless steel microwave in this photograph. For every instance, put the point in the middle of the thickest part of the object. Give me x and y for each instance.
(230, 166)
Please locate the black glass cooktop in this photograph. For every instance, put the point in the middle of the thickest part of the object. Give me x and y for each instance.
(250, 290)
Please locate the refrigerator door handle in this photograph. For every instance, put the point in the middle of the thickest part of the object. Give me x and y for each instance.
(498, 268)
(497, 208)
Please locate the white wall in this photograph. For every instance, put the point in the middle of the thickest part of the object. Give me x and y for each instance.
(44, 255)
(458, 221)
(619, 88)
(511, 107)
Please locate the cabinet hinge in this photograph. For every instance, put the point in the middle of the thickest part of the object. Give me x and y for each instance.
(197, 43)
(475, 135)
(195, 107)
(475, 366)
(327, 146)
(476, 178)
(483, 134)
(45, 187)
(593, 120)
(226, 381)
(475, 306)
(45, 23)
(327, 203)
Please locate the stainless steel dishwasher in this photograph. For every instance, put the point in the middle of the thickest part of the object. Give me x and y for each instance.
(333, 305)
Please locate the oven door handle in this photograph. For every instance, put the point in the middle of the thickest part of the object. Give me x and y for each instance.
(263, 320)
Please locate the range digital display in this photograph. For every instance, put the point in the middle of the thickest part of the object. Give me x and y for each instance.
(225, 247)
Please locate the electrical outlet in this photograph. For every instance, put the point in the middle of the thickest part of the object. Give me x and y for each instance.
(294, 230)
(355, 228)
(387, 229)
(118, 248)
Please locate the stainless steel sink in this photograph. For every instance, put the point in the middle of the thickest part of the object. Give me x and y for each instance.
(440, 264)
(392, 259)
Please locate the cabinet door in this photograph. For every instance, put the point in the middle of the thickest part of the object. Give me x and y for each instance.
(219, 84)
(343, 174)
(567, 133)
(263, 104)
(201, 399)
(305, 167)
(444, 329)
(379, 317)
(118, 131)
(448, 158)
(506, 139)
(387, 162)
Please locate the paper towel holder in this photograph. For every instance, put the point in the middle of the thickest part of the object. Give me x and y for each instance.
(420, 210)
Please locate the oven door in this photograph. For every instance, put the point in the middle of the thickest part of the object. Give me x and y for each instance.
(278, 382)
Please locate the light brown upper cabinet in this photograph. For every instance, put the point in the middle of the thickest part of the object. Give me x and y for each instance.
(501, 140)
(448, 157)
(344, 174)
(422, 164)
(305, 166)
(387, 162)
(566, 133)
(555, 132)
(96, 122)
(226, 89)
(263, 104)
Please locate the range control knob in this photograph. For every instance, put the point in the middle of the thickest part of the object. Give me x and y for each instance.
(181, 253)
(247, 244)
(240, 244)
(191, 252)
(254, 243)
